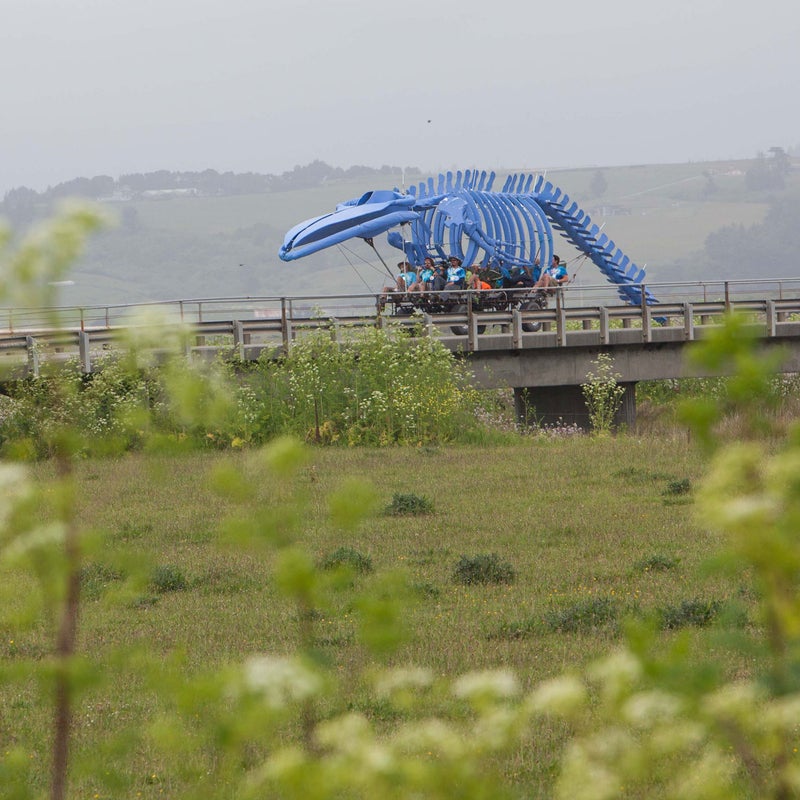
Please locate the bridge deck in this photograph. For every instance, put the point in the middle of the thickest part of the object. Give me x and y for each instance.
(247, 328)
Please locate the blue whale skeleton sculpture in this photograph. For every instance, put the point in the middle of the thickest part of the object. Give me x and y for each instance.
(462, 215)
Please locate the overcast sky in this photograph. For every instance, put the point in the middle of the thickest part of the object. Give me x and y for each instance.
(93, 87)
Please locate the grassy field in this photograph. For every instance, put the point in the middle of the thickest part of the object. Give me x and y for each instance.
(585, 524)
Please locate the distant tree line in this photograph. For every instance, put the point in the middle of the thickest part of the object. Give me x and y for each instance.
(22, 205)
(768, 248)
(769, 173)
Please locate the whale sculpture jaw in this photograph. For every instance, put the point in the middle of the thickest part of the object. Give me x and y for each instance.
(371, 214)
(462, 215)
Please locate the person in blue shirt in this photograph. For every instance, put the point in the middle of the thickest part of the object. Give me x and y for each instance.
(456, 274)
(405, 278)
(424, 277)
(555, 275)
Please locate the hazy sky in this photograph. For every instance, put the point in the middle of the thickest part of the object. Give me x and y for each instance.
(95, 87)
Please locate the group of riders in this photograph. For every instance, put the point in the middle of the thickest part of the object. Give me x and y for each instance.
(440, 276)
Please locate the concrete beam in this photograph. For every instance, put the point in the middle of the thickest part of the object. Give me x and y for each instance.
(569, 366)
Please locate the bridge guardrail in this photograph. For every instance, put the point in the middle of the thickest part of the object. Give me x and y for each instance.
(279, 307)
(247, 327)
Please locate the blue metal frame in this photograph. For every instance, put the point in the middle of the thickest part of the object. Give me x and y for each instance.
(506, 228)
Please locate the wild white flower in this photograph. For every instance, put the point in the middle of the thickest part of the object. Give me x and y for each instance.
(648, 709)
(709, 777)
(280, 765)
(431, 735)
(361, 760)
(611, 745)
(746, 510)
(782, 714)
(681, 736)
(617, 674)
(403, 678)
(563, 696)
(488, 684)
(740, 701)
(44, 536)
(8, 406)
(583, 778)
(15, 487)
(281, 680)
(497, 729)
(344, 733)
(377, 758)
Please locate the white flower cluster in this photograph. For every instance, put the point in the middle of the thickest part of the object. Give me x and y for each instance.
(15, 486)
(281, 681)
(561, 696)
(491, 684)
(403, 679)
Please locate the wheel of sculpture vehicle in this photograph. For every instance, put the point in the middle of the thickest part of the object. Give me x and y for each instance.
(535, 303)
(463, 330)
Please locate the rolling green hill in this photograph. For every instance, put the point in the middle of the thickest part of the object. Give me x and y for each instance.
(195, 246)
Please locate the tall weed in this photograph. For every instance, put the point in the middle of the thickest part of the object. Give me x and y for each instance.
(378, 389)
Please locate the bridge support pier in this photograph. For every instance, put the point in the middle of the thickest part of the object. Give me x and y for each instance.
(565, 405)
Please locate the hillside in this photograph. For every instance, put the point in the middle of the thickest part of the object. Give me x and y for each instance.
(168, 246)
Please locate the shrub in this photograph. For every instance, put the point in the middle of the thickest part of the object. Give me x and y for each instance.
(425, 589)
(585, 615)
(656, 563)
(690, 613)
(409, 505)
(678, 488)
(377, 389)
(130, 531)
(95, 578)
(517, 629)
(167, 578)
(347, 557)
(483, 568)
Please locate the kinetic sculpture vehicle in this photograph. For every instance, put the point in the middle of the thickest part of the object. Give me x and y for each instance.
(492, 231)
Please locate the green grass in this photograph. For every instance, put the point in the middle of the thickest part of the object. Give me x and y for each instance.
(582, 521)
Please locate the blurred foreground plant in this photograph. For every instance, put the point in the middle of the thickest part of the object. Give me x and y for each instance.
(650, 720)
(280, 720)
(668, 723)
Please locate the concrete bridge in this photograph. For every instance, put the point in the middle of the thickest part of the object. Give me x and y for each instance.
(543, 355)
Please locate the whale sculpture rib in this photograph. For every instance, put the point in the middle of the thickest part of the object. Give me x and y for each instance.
(461, 214)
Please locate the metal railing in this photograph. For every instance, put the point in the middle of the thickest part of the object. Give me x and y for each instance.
(250, 327)
(199, 310)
